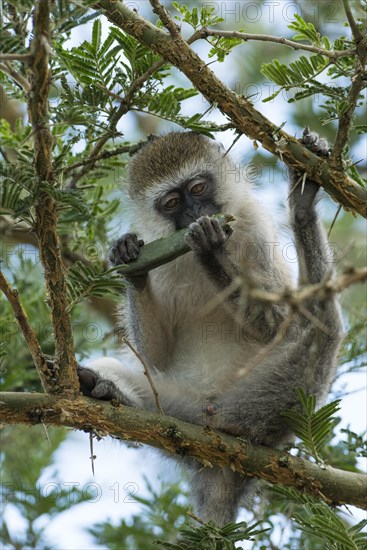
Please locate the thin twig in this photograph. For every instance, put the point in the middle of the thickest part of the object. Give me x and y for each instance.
(147, 374)
(164, 16)
(358, 82)
(352, 22)
(23, 57)
(105, 155)
(27, 331)
(8, 69)
(321, 290)
(314, 320)
(277, 40)
(334, 220)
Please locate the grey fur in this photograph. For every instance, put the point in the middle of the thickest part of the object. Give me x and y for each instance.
(197, 354)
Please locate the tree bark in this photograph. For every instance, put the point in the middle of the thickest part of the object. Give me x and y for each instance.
(210, 447)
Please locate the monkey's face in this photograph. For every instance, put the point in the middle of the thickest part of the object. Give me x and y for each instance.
(177, 178)
(187, 202)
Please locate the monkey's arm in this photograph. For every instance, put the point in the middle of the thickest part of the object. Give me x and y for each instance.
(144, 329)
(208, 240)
(307, 355)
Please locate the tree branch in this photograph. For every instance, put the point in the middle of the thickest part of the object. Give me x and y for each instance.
(27, 331)
(93, 159)
(23, 57)
(241, 111)
(277, 40)
(320, 291)
(164, 16)
(8, 69)
(46, 214)
(209, 447)
(352, 22)
(357, 85)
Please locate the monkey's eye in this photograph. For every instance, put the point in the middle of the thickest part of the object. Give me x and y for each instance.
(196, 186)
(171, 201)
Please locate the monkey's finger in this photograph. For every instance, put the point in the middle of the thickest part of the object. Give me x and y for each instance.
(195, 236)
(133, 249)
(121, 255)
(213, 230)
(228, 229)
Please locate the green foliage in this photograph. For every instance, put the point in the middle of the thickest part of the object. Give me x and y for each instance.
(321, 527)
(23, 488)
(17, 370)
(355, 443)
(196, 17)
(302, 74)
(163, 512)
(306, 31)
(221, 47)
(205, 17)
(313, 427)
(85, 280)
(354, 350)
(211, 537)
(317, 519)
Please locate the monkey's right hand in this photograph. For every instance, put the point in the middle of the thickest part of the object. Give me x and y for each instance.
(92, 385)
(206, 235)
(125, 250)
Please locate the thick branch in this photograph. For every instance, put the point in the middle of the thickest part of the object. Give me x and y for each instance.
(245, 118)
(180, 438)
(352, 22)
(46, 215)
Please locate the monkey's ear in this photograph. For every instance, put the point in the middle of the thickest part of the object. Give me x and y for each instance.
(141, 144)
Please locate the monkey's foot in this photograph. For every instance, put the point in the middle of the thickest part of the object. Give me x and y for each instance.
(92, 385)
(314, 143)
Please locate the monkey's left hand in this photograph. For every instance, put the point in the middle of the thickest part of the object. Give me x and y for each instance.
(207, 235)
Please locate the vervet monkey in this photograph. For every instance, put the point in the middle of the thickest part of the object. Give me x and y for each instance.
(198, 344)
